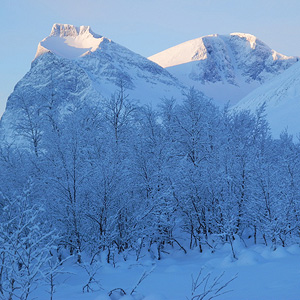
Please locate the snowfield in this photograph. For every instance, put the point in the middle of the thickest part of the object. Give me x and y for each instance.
(261, 274)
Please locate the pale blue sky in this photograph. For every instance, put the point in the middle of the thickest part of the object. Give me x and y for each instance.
(144, 26)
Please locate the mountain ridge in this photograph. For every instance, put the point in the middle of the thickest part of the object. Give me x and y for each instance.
(224, 67)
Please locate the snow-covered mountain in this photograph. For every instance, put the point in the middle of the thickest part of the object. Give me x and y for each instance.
(281, 96)
(75, 64)
(224, 67)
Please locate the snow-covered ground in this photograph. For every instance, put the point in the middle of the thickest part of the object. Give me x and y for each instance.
(261, 274)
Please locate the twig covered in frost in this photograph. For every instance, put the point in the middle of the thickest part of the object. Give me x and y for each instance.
(91, 269)
(142, 278)
(122, 292)
(207, 288)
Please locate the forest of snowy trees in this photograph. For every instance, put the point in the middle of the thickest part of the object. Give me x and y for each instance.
(122, 179)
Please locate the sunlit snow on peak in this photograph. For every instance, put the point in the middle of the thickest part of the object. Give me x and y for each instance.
(69, 41)
(249, 37)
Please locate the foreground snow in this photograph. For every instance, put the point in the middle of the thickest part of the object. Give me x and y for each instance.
(262, 274)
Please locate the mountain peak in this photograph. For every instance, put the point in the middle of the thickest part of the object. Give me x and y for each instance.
(64, 30)
(248, 36)
(200, 48)
(69, 41)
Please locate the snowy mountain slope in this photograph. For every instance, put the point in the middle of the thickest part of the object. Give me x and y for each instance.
(282, 98)
(75, 64)
(224, 67)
